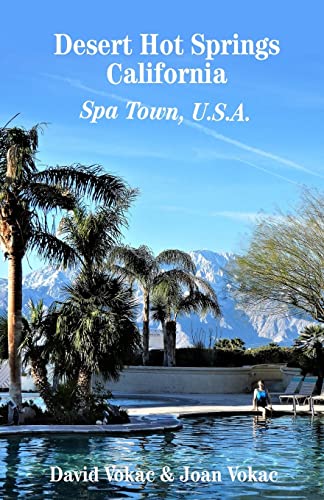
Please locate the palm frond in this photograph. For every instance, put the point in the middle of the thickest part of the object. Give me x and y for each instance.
(175, 276)
(159, 308)
(98, 319)
(139, 262)
(51, 248)
(46, 197)
(177, 258)
(198, 302)
(124, 273)
(22, 145)
(92, 234)
(311, 338)
(206, 287)
(89, 181)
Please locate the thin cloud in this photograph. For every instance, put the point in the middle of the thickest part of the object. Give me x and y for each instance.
(220, 137)
(206, 154)
(247, 216)
(77, 84)
(239, 216)
(185, 211)
(262, 169)
(250, 149)
(130, 151)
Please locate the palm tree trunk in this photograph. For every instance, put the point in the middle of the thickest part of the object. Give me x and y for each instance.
(165, 345)
(44, 388)
(83, 386)
(146, 327)
(56, 380)
(14, 327)
(320, 358)
(171, 331)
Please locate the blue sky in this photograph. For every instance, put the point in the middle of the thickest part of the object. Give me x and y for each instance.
(200, 186)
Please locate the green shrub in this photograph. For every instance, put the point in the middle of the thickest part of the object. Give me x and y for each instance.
(234, 344)
(228, 357)
(194, 356)
(66, 399)
(155, 357)
(200, 356)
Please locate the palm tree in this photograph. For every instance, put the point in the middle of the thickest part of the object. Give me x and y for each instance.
(141, 266)
(93, 331)
(311, 341)
(175, 295)
(159, 313)
(91, 235)
(39, 348)
(27, 195)
(97, 321)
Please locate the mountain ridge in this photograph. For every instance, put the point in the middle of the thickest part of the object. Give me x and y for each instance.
(255, 328)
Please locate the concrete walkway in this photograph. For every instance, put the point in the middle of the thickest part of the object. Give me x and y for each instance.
(217, 404)
(152, 419)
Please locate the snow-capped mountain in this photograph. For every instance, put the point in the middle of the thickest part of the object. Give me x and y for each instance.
(254, 328)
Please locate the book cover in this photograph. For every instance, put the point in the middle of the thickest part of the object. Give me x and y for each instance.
(208, 119)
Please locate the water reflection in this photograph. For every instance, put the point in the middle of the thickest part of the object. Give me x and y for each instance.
(292, 447)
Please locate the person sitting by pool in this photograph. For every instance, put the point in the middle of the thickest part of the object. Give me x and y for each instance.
(261, 398)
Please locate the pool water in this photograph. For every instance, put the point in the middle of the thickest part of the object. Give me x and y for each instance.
(291, 448)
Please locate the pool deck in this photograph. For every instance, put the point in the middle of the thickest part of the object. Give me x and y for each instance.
(218, 404)
(165, 418)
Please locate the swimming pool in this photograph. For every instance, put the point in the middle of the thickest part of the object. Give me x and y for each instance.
(292, 448)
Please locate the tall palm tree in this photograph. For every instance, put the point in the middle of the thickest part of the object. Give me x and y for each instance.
(159, 314)
(175, 295)
(141, 266)
(27, 195)
(311, 341)
(71, 336)
(91, 235)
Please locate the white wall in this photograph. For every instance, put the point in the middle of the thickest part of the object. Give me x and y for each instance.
(157, 379)
(178, 380)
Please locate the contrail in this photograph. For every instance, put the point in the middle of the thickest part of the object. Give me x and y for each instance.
(205, 130)
(268, 171)
(251, 149)
(77, 84)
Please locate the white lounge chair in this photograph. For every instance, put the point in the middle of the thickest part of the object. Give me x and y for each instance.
(318, 397)
(305, 392)
(291, 388)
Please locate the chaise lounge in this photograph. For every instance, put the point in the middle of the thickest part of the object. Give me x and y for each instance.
(304, 395)
(291, 389)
